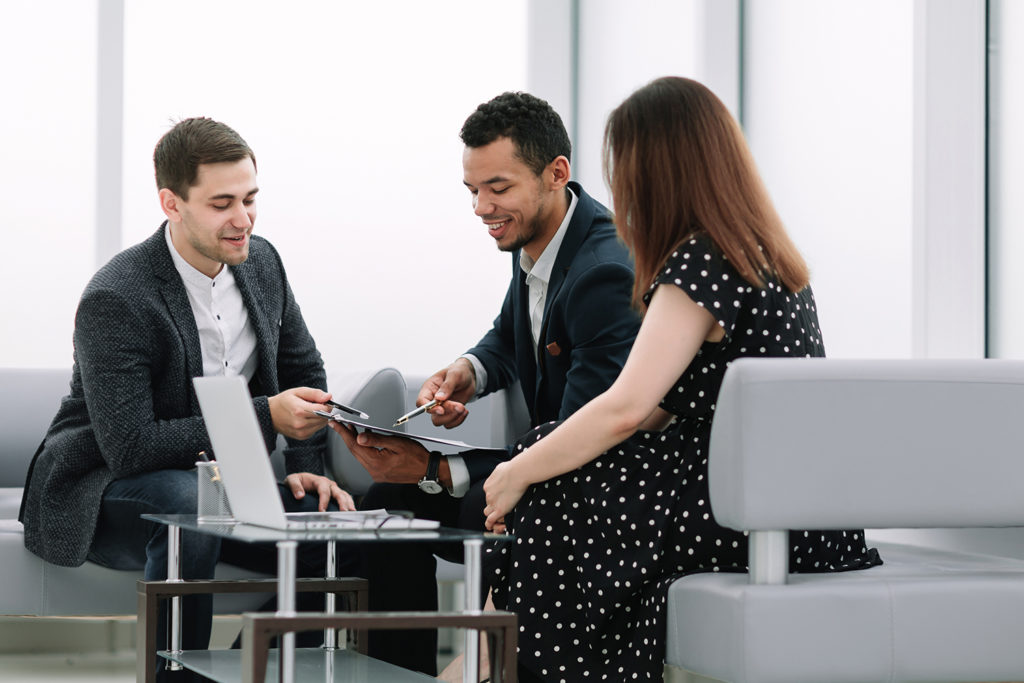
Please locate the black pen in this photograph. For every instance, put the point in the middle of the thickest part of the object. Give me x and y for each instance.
(345, 408)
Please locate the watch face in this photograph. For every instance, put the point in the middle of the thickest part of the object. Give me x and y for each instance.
(430, 486)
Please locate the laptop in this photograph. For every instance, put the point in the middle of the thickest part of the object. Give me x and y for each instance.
(248, 476)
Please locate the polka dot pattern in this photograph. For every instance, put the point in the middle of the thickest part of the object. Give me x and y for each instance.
(596, 548)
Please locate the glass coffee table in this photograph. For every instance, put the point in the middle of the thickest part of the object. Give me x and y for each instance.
(257, 662)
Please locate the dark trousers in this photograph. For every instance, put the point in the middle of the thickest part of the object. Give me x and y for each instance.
(402, 575)
(124, 540)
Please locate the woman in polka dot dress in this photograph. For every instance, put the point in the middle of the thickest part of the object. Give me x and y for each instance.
(610, 506)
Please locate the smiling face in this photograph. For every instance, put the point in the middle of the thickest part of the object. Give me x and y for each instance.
(520, 209)
(212, 227)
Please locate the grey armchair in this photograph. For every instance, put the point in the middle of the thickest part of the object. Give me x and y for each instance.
(823, 443)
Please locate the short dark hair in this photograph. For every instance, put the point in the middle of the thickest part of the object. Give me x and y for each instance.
(534, 127)
(192, 142)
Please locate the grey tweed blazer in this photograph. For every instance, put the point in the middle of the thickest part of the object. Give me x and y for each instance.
(132, 408)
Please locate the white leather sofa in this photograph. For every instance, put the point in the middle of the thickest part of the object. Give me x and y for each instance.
(824, 443)
(28, 401)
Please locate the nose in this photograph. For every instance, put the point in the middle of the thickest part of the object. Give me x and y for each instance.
(481, 206)
(244, 216)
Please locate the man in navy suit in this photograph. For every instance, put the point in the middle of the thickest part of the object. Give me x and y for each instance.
(564, 331)
(201, 296)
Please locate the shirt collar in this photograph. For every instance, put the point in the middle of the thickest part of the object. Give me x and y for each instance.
(541, 268)
(186, 270)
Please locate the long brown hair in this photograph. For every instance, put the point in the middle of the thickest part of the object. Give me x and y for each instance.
(678, 164)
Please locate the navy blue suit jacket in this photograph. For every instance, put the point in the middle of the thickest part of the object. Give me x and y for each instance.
(587, 331)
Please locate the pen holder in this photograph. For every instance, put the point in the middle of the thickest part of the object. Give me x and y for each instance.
(212, 506)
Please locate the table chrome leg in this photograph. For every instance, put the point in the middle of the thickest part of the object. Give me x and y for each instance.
(174, 576)
(286, 551)
(330, 634)
(471, 668)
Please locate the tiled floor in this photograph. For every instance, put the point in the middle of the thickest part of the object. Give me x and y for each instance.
(81, 668)
(83, 650)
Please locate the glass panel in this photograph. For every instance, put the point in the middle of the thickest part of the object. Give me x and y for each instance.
(612, 65)
(828, 105)
(48, 172)
(353, 111)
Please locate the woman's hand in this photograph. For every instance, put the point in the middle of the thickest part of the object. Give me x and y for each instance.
(503, 490)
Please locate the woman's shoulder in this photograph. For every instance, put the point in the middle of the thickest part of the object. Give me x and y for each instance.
(696, 260)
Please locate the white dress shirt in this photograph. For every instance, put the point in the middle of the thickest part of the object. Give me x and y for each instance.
(538, 276)
(227, 339)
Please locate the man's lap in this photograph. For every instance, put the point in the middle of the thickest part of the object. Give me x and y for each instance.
(124, 540)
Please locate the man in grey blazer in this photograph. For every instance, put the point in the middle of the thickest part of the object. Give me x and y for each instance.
(201, 296)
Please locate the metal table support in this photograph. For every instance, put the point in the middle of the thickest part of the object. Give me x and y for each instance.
(471, 663)
(174, 576)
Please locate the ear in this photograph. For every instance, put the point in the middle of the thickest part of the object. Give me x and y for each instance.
(169, 205)
(557, 173)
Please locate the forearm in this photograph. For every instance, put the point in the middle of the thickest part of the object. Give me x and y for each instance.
(592, 430)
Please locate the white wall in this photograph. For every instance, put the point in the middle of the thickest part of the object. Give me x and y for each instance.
(353, 111)
(1006, 179)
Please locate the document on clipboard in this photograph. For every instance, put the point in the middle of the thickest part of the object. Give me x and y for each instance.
(362, 426)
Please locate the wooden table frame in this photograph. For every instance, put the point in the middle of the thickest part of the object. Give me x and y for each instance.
(500, 627)
(259, 628)
(150, 593)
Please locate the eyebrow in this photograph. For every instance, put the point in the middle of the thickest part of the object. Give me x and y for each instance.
(489, 181)
(228, 195)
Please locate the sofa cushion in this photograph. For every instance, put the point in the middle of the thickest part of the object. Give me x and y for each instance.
(925, 615)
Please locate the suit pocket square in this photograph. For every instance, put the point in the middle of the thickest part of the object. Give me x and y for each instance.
(553, 348)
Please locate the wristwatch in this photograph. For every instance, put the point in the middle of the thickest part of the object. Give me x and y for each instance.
(430, 483)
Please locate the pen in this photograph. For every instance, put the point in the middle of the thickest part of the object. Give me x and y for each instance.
(205, 458)
(413, 413)
(342, 406)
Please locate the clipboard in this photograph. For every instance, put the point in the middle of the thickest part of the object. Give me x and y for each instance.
(391, 432)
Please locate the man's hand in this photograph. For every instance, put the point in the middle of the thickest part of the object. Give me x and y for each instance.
(302, 482)
(389, 459)
(455, 385)
(291, 411)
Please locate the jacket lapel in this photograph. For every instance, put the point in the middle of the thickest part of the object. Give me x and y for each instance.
(575, 234)
(172, 290)
(252, 295)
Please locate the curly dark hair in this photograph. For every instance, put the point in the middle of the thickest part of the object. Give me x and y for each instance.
(533, 126)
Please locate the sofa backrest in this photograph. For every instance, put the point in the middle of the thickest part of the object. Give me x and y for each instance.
(29, 399)
(820, 443)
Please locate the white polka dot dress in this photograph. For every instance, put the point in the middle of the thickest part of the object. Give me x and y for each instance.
(596, 549)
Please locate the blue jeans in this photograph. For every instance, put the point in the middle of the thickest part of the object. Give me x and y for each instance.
(124, 540)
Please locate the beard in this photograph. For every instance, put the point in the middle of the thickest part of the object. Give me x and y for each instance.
(529, 232)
